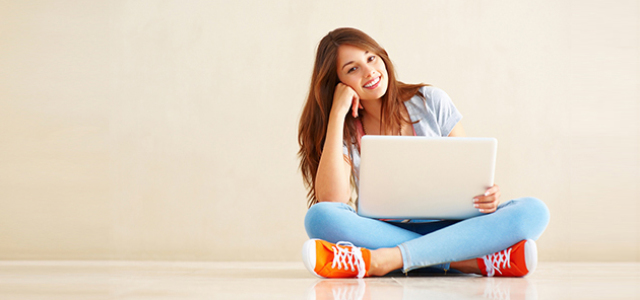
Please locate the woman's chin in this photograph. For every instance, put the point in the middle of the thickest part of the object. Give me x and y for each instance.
(371, 95)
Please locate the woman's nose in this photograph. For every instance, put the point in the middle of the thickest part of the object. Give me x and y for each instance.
(369, 71)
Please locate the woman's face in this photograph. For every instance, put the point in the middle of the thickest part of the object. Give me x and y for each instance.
(363, 71)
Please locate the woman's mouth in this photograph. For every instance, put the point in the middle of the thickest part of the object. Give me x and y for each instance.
(373, 83)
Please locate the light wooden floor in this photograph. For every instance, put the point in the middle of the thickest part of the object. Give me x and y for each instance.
(228, 280)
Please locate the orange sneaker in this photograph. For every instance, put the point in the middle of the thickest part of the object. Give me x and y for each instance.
(341, 260)
(516, 261)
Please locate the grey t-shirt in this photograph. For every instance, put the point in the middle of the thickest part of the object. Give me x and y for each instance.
(436, 115)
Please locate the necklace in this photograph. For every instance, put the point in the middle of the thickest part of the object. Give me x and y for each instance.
(364, 132)
(362, 123)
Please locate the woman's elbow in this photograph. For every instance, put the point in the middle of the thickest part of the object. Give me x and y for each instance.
(333, 197)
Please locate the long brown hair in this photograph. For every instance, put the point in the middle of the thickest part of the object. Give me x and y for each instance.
(314, 121)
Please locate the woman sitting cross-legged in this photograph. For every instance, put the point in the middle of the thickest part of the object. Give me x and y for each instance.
(354, 92)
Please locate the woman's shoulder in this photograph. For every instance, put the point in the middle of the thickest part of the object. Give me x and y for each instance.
(431, 95)
(432, 92)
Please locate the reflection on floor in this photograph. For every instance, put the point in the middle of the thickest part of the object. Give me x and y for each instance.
(241, 280)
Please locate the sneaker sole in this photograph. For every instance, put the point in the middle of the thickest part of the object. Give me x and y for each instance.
(309, 256)
(530, 256)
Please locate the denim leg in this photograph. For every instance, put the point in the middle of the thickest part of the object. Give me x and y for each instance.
(334, 222)
(513, 221)
(432, 244)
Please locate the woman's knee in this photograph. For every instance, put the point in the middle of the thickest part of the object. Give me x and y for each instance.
(531, 216)
(321, 215)
(533, 206)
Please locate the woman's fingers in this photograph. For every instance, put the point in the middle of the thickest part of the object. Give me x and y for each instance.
(354, 106)
(487, 204)
(345, 99)
(489, 201)
(486, 199)
(492, 190)
(488, 207)
(489, 192)
(488, 210)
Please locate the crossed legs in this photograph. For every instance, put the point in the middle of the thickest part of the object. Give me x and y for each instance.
(439, 244)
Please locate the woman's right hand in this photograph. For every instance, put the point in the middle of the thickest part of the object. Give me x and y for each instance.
(345, 99)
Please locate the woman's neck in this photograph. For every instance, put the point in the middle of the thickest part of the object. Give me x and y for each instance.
(372, 110)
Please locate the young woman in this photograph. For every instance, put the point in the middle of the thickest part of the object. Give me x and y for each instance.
(354, 92)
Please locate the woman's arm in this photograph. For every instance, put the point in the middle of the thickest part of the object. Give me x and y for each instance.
(333, 178)
(334, 170)
(457, 131)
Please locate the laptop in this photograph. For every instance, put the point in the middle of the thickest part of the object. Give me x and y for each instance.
(409, 177)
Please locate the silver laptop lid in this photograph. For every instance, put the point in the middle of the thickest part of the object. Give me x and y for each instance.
(408, 177)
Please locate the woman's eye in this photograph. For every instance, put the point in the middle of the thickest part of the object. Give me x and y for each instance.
(372, 58)
(351, 70)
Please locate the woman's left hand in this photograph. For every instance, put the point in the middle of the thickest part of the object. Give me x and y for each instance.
(488, 202)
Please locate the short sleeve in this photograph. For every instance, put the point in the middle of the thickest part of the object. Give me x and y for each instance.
(446, 113)
(345, 148)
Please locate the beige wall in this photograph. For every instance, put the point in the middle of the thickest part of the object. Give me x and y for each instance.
(161, 130)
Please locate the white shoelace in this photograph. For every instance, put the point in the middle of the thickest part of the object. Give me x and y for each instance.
(348, 258)
(493, 261)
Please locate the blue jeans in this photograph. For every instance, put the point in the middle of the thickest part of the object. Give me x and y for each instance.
(431, 244)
